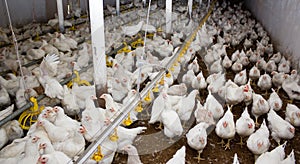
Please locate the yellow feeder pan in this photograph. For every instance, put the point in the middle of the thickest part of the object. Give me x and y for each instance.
(137, 43)
(127, 121)
(30, 116)
(172, 68)
(162, 80)
(114, 137)
(148, 97)
(168, 75)
(139, 107)
(78, 81)
(155, 89)
(97, 156)
(125, 49)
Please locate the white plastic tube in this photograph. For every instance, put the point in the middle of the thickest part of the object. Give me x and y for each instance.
(60, 15)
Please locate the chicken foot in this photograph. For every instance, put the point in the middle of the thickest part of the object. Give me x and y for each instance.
(199, 156)
(227, 146)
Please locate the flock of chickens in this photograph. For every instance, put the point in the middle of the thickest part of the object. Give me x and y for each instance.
(58, 138)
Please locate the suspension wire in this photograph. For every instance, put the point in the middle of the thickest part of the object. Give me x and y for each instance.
(16, 46)
(140, 64)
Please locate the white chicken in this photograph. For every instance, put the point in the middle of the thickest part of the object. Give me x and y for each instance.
(214, 106)
(280, 129)
(271, 66)
(241, 78)
(133, 156)
(292, 114)
(278, 78)
(194, 65)
(185, 105)
(248, 92)
(226, 63)
(264, 82)
(235, 159)
(199, 81)
(290, 159)
(55, 157)
(4, 96)
(237, 66)
(10, 131)
(254, 73)
(132, 30)
(225, 128)
(197, 138)
(111, 107)
(274, 101)
(233, 93)
(203, 115)
(274, 156)
(258, 142)
(260, 106)
(244, 125)
(178, 157)
(177, 90)
(69, 102)
(171, 122)
(127, 136)
(188, 77)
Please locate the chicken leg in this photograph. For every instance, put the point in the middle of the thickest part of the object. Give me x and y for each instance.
(222, 143)
(241, 142)
(256, 122)
(160, 126)
(199, 156)
(227, 146)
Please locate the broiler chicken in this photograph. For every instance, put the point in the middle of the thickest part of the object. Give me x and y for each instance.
(226, 63)
(274, 101)
(274, 156)
(291, 87)
(225, 128)
(177, 90)
(244, 125)
(127, 136)
(197, 138)
(233, 93)
(194, 65)
(258, 142)
(185, 105)
(292, 114)
(178, 157)
(260, 106)
(248, 92)
(203, 115)
(290, 159)
(278, 78)
(188, 77)
(171, 122)
(111, 107)
(241, 78)
(133, 156)
(264, 82)
(213, 105)
(280, 129)
(10, 131)
(254, 73)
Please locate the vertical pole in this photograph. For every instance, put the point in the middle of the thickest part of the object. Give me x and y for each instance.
(60, 15)
(190, 5)
(118, 7)
(168, 18)
(98, 47)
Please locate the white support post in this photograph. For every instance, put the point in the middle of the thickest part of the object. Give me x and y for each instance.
(118, 7)
(98, 46)
(168, 16)
(190, 6)
(60, 15)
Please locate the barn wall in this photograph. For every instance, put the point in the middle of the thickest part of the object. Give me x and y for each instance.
(22, 11)
(282, 20)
